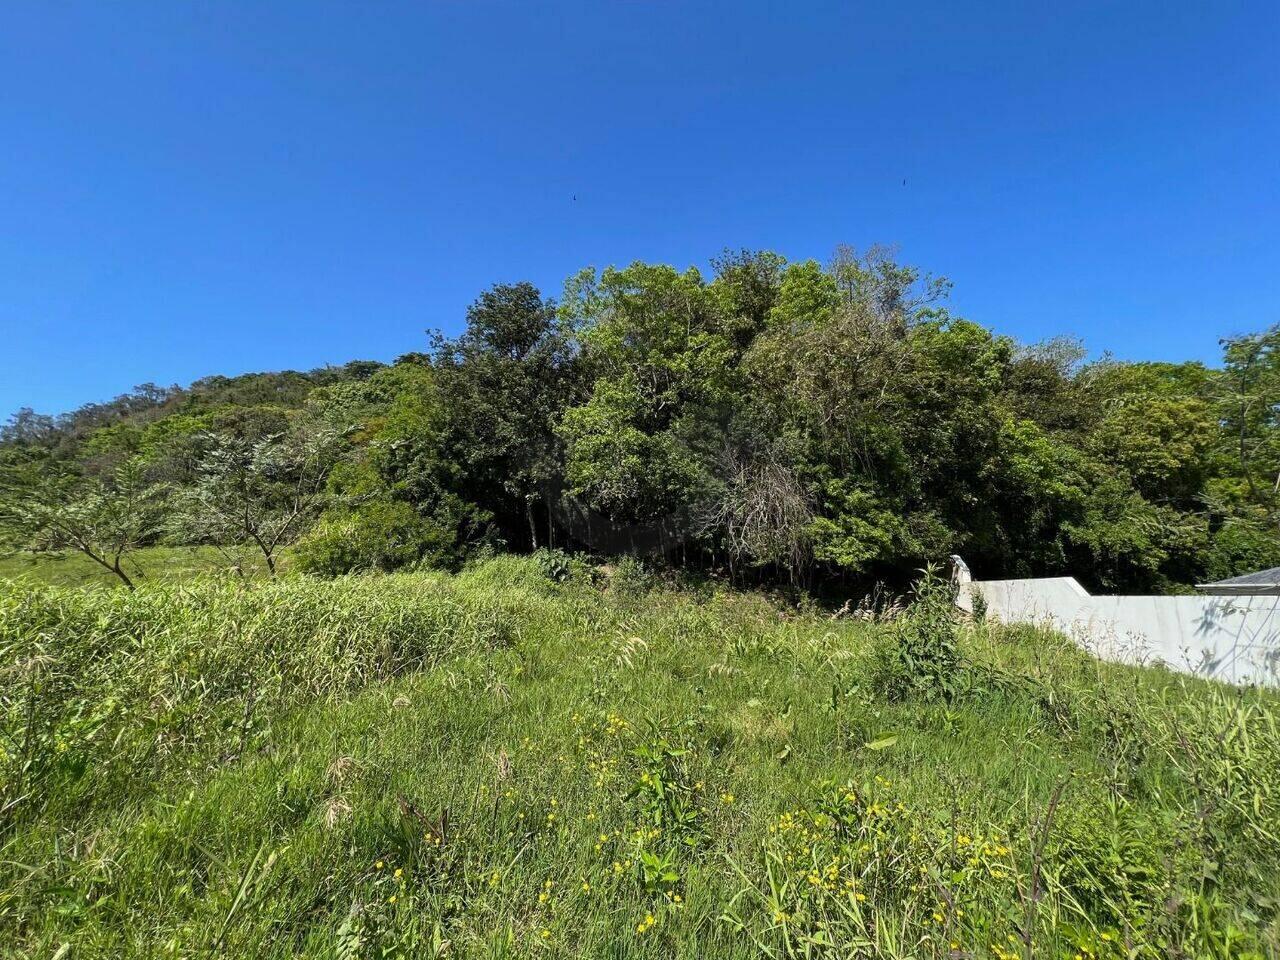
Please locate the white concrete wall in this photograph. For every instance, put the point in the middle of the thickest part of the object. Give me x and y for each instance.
(1231, 638)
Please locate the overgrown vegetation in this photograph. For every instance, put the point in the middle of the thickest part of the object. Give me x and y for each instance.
(533, 758)
(777, 422)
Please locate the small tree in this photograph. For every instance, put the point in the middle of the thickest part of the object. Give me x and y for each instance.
(45, 508)
(259, 492)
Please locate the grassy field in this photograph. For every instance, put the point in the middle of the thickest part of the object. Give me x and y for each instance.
(495, 765)
(150, 563)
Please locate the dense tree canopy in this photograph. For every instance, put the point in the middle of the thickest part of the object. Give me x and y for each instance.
(775, 420)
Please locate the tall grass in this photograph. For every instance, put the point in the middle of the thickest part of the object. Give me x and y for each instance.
(496, 764)
(108, 684)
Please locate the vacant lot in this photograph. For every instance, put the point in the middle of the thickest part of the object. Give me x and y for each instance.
(494, 764)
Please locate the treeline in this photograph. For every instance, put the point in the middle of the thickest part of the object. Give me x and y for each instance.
(776, 421)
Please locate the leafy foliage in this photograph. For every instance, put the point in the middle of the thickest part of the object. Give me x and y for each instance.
(260, 492)
(44, 507)
(775, 421)
(921, 655)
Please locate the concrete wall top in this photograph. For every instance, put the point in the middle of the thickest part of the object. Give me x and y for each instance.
(1233, 638)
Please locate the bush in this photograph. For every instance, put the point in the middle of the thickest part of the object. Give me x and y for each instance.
(383, 535)
(561, 567)
(631, 578)
(921, 656)
(556, 565)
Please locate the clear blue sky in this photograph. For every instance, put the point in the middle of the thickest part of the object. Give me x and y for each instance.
(192, 188)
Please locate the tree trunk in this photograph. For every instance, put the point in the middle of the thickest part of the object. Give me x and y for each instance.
(113, 566)
(267, 553)
(122, 575)
(533, 529)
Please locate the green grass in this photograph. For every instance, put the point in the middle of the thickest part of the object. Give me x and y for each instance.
(492, 765)
(150, 563)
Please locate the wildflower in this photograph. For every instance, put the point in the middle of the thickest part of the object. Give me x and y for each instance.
(378, 865)
(399, 873)
(586, 887)
(726, 798)
(391, 899)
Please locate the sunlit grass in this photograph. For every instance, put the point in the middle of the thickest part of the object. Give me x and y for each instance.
(493, 765)
(150, 563)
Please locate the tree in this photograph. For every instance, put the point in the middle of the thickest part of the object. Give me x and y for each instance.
(762, 513)
(260, 492)
(788, 420)
(28, 428)
(505, 383)
(1248, 406)
(47, 508)
(663, 347)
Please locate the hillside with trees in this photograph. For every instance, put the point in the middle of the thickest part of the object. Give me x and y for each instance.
(774, 422)
(615, 745)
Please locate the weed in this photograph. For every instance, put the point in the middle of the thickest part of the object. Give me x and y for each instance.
(921, 654)
(497, 765)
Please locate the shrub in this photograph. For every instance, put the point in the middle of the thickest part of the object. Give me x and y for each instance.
(631, 578)
(979, 607)
(556, 565)
(920, 656)
(383, 535)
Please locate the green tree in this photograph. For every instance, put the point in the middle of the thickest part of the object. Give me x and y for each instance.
(261, 492)
(1248, 406)
(663, 348)
(47, 508)
(505, 382)
(397, 483)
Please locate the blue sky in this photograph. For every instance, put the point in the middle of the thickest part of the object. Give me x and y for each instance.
(196, 188)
